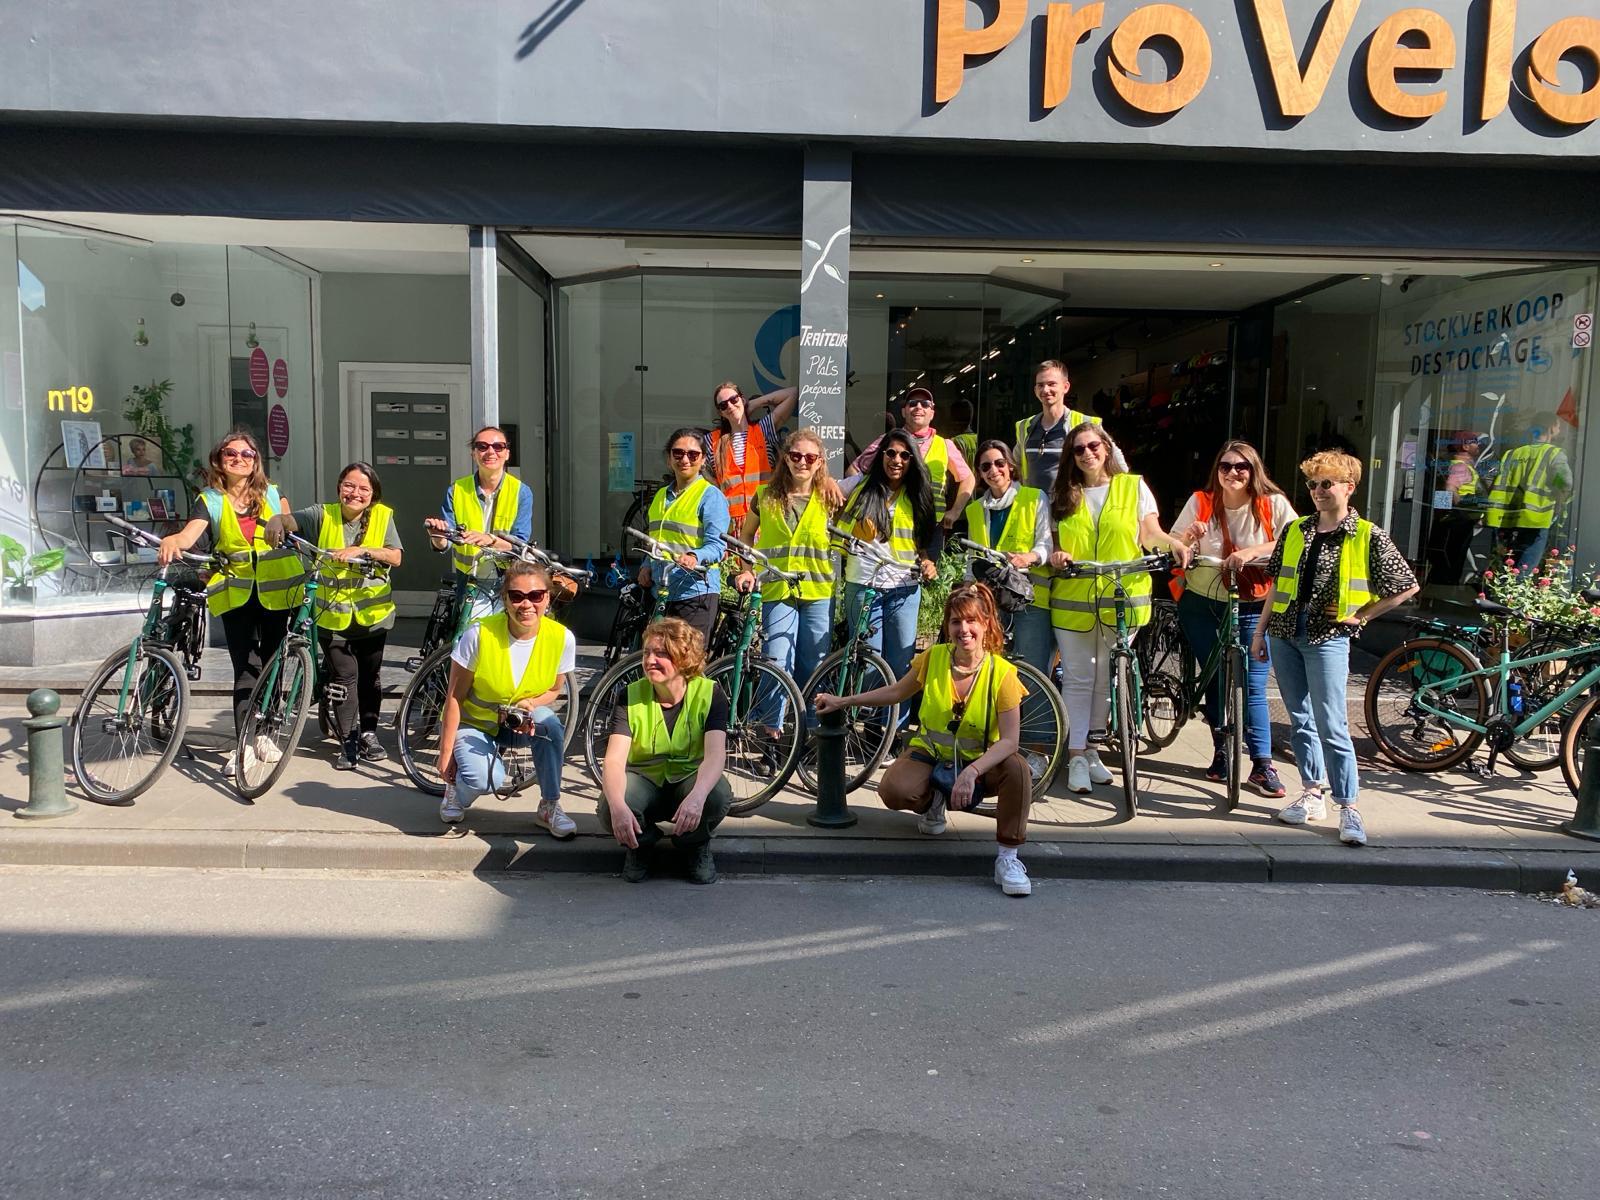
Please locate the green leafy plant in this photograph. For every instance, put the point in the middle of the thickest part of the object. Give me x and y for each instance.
(1549, 592)
(145, 406)
(23, 569)
(952, 567)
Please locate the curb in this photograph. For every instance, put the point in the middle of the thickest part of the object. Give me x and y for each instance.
(1500, 870)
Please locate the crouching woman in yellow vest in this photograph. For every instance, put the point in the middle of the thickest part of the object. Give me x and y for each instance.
(970, 721)
(666, 755)
(515, 659)
(1332, 573)
(355, 609)
(253, 596)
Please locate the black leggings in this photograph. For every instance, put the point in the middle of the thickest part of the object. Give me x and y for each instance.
(355, 662)
(254, 634)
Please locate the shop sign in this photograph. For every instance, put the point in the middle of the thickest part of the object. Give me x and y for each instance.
(280, 377)
(260, 372)
(619, 462)
(278, 431)
(71, 399)
(1410, 42)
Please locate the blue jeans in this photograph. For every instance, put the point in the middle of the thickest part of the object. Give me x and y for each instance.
(479, 767)
(1033, 639)
(1527, 546)
(795, 636)
(1201, 618)
(892, 621)
(1313, 680)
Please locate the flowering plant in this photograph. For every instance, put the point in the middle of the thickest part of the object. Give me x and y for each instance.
(1550, 592)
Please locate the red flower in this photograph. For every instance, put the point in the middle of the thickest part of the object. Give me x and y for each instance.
(1488, 574)
(1544, 581)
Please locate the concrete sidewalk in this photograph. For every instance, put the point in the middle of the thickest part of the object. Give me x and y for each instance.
(1453, 829)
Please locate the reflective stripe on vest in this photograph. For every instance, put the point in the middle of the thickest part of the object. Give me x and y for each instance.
(739, 484)
(1355, 552)
(491, 670)
(1017, 536)
(468, 510)
(1521, 497)
(654, 754)
(802, 550)
(977, 729)
(1114, 537)
(937, 459)
(272, 574)
(678, 526)
(346, 593)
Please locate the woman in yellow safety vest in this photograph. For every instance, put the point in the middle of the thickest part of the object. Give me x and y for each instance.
(1103, 514)
(505, 672)
(666, 755)
(489, 499)
(969, 722)
(789, 524)
(1016, 519)
(688, 516)
(254, 595)
(1332, 572)
(355, 609)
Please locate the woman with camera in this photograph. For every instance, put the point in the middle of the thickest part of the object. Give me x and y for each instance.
(504, 673)
(1016, 520)
(970, 722)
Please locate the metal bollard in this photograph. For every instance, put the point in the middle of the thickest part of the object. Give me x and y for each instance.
(832, 811)
(1585, 821)
(47, 790)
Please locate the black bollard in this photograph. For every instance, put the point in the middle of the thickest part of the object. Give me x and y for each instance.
(832, 811)
(1585, 821)
(47, 793)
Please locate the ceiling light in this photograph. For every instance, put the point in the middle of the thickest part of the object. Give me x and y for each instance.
(1216, 264)
(1027, 260)
(947, 378)
(879, 296)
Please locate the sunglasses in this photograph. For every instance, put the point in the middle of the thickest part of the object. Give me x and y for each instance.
(687, 455)
(1322, 485)
(536, 596)
(1089, 448)
(917, 402)
(1237, 468)
(801, 458)
(246, 455)
(491, 447)
(896, 455)
(993, 464)
(722, 405)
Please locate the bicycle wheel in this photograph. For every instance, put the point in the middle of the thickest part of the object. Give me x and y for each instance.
(1540, 748)
(1575, 741)
(760, 698)
(274, 721)
(119, 749)
(1128, 731)
(420, 718)
(868, 732)
(1043, 733)
(1233, 677)
(605, 694)
(1164, 710)
(1406, 733)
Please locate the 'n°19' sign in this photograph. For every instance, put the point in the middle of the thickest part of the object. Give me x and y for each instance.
(71, 399)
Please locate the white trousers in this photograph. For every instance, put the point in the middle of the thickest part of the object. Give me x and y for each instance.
(1085, 681)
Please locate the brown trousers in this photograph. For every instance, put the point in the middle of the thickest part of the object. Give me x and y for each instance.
(904, 787)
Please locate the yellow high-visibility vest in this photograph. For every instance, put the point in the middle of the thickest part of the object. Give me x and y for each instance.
(1078, 603)
(492, 685)
(1355, 553)
(658, 756)
(347, 593)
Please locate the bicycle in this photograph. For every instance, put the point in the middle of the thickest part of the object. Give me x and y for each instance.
(130, 721)
(1127, 698)
(1044, 715)
(854, 668)
(1439, 722)
(420, 716)
(1171, 700)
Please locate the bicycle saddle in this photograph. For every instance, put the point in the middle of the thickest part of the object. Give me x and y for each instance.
(1592, 595)
(1492, 608)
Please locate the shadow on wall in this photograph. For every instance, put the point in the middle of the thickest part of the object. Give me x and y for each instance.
(544, 25)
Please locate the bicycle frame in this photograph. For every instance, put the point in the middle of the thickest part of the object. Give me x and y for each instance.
(1501, 672)
(1124, 644)
(1194, 690)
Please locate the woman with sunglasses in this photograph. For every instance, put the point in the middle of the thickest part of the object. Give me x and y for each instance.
(894, 506)
(254, 596)
(1100, 513)
(1332, 572)
(355, 609)
(971, 704)
(1016, 519)
(1236, 519)
(789, 523)
(517, 658)
(490, 498)
(742, 449)
(691, 518)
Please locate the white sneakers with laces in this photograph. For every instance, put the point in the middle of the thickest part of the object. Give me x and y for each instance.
(1078, 779)
(1012, 876)
(1311, 806)
(933, 821)
(1098, 771)
(1351, 831)
(551, 817)
(449, 811)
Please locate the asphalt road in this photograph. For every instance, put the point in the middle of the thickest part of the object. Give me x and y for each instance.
(189, 1034)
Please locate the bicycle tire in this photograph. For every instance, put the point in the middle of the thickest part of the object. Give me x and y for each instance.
(1233, 682)
(1575, 741)
(168, 691)
(1165, 711)
(1127, 732)
(603, 697)
(1042, 736)
(867, 741)
(1409, 737)
(758, 767)
(1540, 749)
(279, 716)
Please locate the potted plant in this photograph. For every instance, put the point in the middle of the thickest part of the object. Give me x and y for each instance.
(24, 570)
(145, 406)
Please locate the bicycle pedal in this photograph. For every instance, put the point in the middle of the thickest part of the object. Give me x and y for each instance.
(413, 663)
(192, 671)
(337, 692)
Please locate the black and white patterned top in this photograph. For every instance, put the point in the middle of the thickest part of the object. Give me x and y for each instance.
(1388, 574)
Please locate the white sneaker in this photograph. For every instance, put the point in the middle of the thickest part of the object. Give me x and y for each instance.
(933, 821)
(553, 819)
(449, 811)
(266, 750)
(1012, 876)
(1311, 806)
(1098, 771)
(1351, 831)
(230, 769)
(1078, 775)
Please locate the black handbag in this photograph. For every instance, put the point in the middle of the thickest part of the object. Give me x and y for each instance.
(1013, 590)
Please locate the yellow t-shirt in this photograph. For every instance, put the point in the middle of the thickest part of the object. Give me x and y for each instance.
(1008, 695)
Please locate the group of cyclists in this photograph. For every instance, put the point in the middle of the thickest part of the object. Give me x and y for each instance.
(1060, 493)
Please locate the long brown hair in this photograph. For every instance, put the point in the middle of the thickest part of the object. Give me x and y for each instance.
(1067, 493)
(783, 483)
(1261, 485)
(974, 599)
(724, 425)
(256, 489)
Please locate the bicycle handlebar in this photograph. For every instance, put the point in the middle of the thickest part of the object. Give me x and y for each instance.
(372, 567)
(745, 550)
(1208, 560)
(133, 532)
(655, 550)
(1133, 566)
(998, 557)
(529, 552)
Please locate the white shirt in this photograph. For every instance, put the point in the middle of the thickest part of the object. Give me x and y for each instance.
(1095, 498)
(1244, 529)
(870, 571)
(521, 651)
